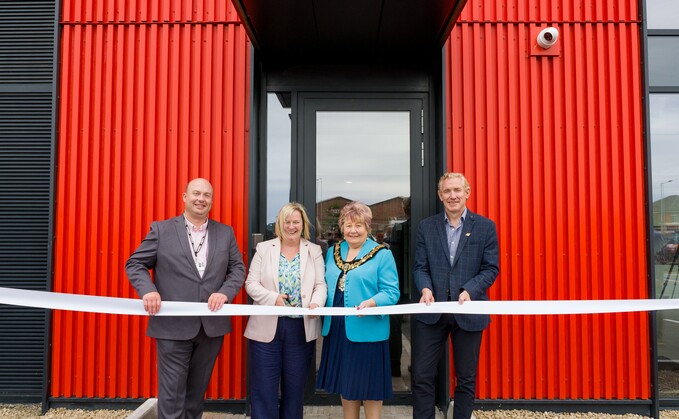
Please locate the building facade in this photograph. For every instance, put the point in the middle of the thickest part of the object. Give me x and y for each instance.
(568, 149)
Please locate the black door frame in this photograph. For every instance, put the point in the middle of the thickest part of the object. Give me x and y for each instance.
(395, 87)
(304, 167)
(304, 143)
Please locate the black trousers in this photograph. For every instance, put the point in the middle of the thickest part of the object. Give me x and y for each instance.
(395, 343)
(184, 371)
(428, 347)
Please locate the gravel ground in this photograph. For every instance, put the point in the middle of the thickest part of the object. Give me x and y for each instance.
(524, 414)
(32, 411)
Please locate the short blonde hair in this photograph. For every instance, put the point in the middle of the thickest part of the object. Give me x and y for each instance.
(356, 211)
(283, 215)
(452, 175)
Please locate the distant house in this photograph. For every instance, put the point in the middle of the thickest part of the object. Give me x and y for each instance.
(666, 213)
(385, 214)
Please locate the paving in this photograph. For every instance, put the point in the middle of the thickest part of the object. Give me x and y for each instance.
(331, 412)
(400, 384)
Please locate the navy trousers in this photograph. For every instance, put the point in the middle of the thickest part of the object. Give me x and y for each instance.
(428, 346)
(282, 362)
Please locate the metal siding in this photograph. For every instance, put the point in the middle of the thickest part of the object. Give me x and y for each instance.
(27, 41)
(25, 159)
(148, 11)
(553, 148)
(153, 94)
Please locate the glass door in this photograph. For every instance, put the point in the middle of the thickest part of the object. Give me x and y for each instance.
(364, 156)
(367, 150)
(325, 150)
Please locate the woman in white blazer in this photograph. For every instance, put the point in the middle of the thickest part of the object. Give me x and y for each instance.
(285, 271)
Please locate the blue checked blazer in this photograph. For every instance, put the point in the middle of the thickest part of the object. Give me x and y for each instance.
(474, 267)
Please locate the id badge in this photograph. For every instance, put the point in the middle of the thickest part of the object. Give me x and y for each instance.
(201, 263)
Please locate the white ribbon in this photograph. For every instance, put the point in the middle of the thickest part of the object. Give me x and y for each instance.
(134, 306)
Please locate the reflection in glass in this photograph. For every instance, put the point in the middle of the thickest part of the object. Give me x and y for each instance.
(664, 127)
(365, 156)
(362, 156)
(278, 143)
(663, 60)
(664, 133)
(662, 14)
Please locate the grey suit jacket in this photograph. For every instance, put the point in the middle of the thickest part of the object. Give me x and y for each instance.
(166, 250)
(474, 268)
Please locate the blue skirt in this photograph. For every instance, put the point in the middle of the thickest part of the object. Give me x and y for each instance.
(355, 370)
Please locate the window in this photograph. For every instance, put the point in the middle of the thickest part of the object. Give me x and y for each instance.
(663, 60)
(662, 14)
(278, 143)
(662, 39)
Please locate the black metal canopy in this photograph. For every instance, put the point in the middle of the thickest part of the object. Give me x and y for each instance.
(334, 30)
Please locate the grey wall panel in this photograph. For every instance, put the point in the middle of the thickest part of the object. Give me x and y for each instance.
(27, 90)
(26, 41)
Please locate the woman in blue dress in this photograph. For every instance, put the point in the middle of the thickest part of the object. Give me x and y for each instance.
(355, 360)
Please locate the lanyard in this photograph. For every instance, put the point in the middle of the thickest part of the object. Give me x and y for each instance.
(193, 246)
(347, 266)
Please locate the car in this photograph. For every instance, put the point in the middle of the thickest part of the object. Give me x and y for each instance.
(667, 253)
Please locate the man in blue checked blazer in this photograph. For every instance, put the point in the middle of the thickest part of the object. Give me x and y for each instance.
(456, 259)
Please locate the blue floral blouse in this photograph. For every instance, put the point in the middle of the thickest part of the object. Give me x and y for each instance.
(289, 281)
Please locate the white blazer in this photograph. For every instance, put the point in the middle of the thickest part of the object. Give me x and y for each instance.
(262, 286)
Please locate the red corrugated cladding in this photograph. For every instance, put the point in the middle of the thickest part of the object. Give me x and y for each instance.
(155, 93)
(152, 94)
(554, 151)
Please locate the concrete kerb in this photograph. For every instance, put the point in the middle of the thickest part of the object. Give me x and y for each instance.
(147, 410)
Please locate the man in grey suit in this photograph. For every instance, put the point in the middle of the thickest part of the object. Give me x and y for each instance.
(456, 259)
(194, 259)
